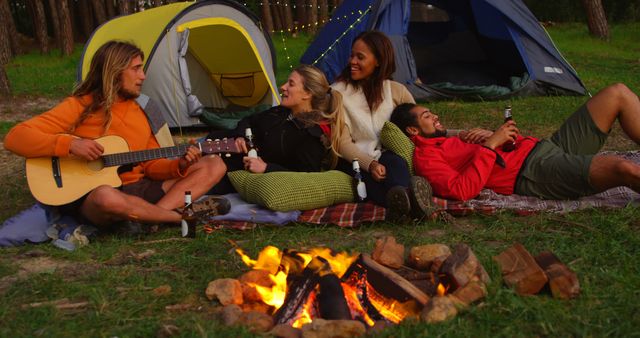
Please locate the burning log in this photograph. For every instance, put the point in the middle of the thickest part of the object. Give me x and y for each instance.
(520, 270)
(461, 267)
(426, 282)
(563, 282)
(385, 281)
(331, 301)
(299, 290)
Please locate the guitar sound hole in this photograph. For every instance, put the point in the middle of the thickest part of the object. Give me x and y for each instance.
(95, 165)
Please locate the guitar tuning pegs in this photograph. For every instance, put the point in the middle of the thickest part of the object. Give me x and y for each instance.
(208, 140)
(227, 155)
(216, 140)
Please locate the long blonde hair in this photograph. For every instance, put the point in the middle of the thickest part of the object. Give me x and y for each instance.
(103, 80)
(326, 105)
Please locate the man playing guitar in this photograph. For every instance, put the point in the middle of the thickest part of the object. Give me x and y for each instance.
(104, 104)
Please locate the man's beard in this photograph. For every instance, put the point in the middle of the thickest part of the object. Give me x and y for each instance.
(127, 95)
(437, 133)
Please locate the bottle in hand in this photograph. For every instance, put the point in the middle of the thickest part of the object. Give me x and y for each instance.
(510, 145)
(361, 189)
(251, 148)
(189, 219)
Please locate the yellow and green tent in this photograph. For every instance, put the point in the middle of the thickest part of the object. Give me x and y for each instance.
(199, 56)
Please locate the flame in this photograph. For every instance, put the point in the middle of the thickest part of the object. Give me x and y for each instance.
(274, 295)
(271, 259)
(305, 316)
(351, 296)
(441, 290)
(393, 310)
(339, 262)
(268, 259)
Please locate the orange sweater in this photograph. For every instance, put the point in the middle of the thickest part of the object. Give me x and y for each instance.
(44, 135)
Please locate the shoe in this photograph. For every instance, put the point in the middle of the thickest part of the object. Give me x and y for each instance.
(420, 194)
(398, 202)
(209, 206)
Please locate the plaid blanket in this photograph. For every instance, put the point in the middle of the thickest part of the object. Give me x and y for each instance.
(487, 202)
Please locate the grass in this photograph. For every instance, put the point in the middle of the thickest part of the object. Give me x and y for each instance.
(602, 246)
(44, 75)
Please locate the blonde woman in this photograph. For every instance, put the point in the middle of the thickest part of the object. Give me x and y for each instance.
(294, 136)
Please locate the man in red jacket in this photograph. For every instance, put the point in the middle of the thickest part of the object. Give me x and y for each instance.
(566, 166)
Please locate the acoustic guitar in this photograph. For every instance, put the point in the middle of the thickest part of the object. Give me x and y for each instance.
(61, 180)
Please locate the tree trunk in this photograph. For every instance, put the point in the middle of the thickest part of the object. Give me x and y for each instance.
(596, 19)
(66, 32)
(98, 12)
(5, 56)
(123, 7)
(36, 8)
(10, 27)
(324, 12)
(312, 17)
(301, 13)
(55, 21)
(110, 8)
(275, 14)
(267, 21)
(86, 19)
(288, 18)
(5, 88)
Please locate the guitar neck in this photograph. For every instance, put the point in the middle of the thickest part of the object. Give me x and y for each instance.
(112, 160)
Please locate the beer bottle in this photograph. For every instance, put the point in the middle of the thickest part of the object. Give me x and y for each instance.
(189, 219)
(252, 151)
(509, 145)
(361, 189)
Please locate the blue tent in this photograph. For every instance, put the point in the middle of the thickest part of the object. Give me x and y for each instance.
(469, 49)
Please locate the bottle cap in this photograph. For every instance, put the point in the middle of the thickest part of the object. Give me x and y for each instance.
(355, 164)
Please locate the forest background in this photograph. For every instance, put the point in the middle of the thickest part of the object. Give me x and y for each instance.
(49, 25)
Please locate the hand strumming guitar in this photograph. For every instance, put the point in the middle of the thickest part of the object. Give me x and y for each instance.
(85, 148)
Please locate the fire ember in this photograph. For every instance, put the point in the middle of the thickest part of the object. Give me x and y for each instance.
(319, 289)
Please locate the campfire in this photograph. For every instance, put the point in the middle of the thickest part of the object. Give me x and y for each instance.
(319, 289)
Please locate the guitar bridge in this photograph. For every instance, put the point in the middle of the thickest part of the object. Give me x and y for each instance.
(55, 169)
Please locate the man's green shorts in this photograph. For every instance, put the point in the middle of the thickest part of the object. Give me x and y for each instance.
(558, 168)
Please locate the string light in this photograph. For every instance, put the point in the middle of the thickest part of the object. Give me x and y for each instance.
(286, 52)
(338, 19)
(351, 27)
(355, 23)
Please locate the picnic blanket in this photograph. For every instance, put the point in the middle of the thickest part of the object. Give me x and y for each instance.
(31, 224)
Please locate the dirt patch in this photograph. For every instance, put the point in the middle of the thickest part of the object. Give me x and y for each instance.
(20, 108)
(29, 266)
(35, 262)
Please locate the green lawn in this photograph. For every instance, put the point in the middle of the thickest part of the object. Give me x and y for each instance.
(601, 246)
